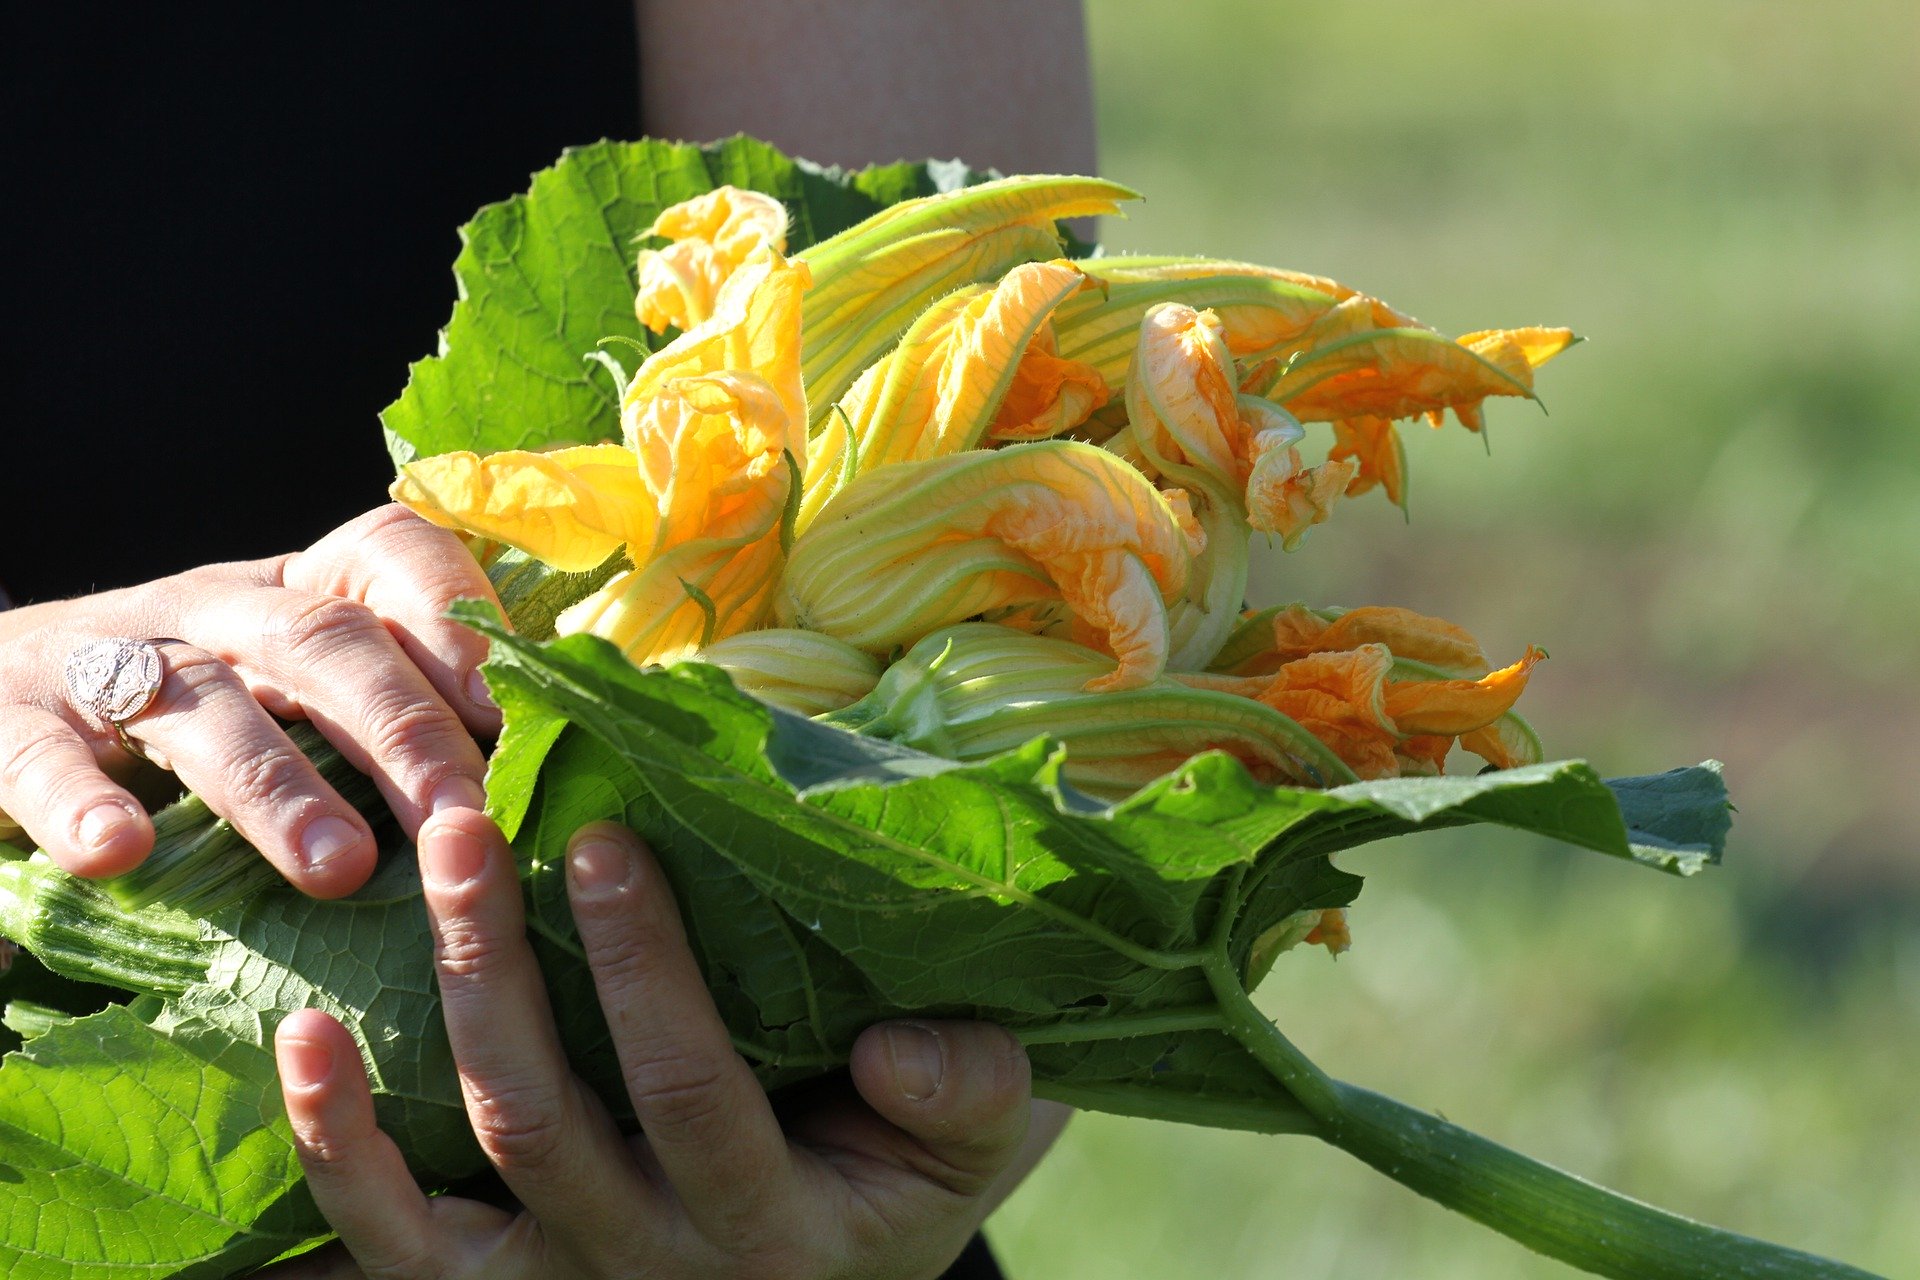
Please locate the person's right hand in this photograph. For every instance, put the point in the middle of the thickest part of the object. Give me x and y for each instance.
(350, 634)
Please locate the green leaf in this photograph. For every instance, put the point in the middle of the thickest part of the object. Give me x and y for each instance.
(192, 1173)
(544, 277)
(831, 880)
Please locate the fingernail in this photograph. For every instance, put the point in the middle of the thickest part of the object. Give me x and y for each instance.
(919, 1059)
(325, 839)
(457, 792)
(598, 867)
(304, 1064)
(451, 857)
(478, 693)
(101, 824)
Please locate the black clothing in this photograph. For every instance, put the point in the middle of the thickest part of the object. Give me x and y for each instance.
(235, 228)
(239, 223)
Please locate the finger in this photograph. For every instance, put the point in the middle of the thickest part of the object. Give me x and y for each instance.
(52, 785)
(707, 1120)
(959, 1091)
(410, 572)
(559, 1155)
(357, 1175)
(207, 729)
(334, 662)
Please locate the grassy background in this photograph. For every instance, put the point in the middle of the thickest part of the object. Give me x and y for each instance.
(1717, 535)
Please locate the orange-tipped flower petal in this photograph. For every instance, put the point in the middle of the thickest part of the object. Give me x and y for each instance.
(713, 235)
(918, 545)
(1340, 698)
(1299, 631)
(1455, 707)
(1374, 445)
(1402, 373)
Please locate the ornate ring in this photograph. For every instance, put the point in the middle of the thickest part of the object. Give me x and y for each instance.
(115, 680)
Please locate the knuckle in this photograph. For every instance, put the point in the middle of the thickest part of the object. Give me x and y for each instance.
(681, 1093)
(401, 722)
(266, 778)
(192, 673)
(519, 1127)
(29, 762)
(465, 951)
(314, 627)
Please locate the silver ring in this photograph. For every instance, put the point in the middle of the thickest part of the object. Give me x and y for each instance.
(115, 680)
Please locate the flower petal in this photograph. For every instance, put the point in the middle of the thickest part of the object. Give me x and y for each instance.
(754, 328)
(714, 234)
(1455, 707)
(873, 278)
(1299, 631)
(571, 508)
(918, 545)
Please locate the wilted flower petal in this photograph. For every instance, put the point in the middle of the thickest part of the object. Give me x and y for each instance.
(1455, 707)
(1299, 631)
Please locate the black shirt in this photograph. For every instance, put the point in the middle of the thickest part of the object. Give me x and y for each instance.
(235, 227)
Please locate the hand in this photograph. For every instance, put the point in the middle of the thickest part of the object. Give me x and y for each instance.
(349, 634)
(887, 1180)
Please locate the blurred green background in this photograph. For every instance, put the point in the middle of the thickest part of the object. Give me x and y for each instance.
(1717, 536)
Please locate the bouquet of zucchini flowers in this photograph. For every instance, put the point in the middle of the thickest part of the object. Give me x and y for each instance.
(880, 553)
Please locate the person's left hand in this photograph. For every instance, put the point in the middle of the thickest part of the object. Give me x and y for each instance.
(887, 1180)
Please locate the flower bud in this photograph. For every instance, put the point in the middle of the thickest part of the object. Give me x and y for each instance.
(978, 689)
(919, 545)
(872, 279)
(804, 672)
(975, 364)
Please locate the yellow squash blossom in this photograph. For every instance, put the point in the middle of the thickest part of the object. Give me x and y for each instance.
(1404, 373)
(918, 545)
(977, 363)
(872, 279)
(1186, 414)
(1265, 313)
(695, 497)
(1385, 714)
(805, 672)
(712, 234)
(754, 328)
(977, 689)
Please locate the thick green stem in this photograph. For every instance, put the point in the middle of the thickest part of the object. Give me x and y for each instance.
(200, 864)
(1552, 1212)
(79, 932)
(1555, 1213)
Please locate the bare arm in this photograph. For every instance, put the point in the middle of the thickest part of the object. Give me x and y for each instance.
(1000, 83)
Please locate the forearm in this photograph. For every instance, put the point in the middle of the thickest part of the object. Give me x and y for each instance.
(1002, 83)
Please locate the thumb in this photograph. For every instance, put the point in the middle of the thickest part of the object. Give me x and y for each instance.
(960, 1089)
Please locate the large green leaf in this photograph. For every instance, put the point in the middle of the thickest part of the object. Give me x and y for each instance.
(545, 276)
(831, 880)
(126, 1152)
